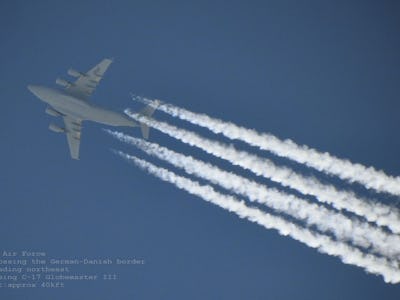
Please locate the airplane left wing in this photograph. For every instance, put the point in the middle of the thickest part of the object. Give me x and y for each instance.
(87, 82)
(73, 129)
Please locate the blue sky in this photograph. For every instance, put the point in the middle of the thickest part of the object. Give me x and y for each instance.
(323, 73)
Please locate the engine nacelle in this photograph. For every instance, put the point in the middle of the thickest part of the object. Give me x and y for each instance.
(75, 73)
(63, 82)
(56, 128)
(52, 112)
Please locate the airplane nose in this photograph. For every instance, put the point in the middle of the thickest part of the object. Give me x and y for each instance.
(43, 93)
(36, 90)
(32, 88)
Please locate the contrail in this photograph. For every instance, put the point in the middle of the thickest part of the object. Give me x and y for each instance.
(343, 228)
(324, 162)
(324, 244)
(373, 212)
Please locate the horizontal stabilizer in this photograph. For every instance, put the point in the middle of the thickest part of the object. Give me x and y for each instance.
(147, 112)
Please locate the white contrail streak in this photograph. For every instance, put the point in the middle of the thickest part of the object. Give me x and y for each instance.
(323, 162)
(373, 212)
(324, 244)
(343, 228)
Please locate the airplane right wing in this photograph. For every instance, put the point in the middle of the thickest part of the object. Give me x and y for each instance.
(73, 129)
(85, 83)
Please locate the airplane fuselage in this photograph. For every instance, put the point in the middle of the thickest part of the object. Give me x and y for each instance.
(70, 105)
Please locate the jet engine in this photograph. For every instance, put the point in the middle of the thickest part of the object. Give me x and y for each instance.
(75, 73)
(53, 112)
(56, 128)
(63, 82)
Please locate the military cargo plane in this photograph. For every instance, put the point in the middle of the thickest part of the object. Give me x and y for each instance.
(74, 106)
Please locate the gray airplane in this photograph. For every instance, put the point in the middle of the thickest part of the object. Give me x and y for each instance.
(74, 107)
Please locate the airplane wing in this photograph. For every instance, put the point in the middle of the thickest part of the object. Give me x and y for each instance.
(87, 82)
(73, 129)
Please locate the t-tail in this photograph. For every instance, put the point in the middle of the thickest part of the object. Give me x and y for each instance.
(148, 112)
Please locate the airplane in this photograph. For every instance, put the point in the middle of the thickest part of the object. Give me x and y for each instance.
(74, 106)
